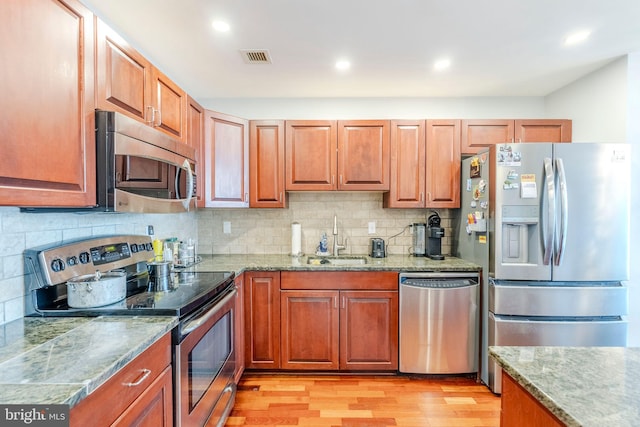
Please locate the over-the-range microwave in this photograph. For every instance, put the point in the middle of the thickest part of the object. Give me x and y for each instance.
(138, 169)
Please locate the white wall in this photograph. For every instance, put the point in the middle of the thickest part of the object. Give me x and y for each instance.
(604, 107)
(379, 108)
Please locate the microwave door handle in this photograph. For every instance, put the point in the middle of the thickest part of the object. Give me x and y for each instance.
(548, 214)
(187, 200)
(563, 218)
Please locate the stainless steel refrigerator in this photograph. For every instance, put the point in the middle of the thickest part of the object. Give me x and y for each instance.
(549, 224)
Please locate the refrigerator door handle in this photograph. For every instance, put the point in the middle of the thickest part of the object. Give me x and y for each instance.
(561, 221)
(548, 210)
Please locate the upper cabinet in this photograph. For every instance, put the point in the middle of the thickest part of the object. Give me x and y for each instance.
(443, 164)
(479, 134)
(425, 164)
(363, 155)
(344, 155)
(195, 140)
(226, 161)
(266, 164)
(311, 155)
(129, 83)
(47, 104)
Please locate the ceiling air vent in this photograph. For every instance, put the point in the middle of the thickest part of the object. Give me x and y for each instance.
(256, 56)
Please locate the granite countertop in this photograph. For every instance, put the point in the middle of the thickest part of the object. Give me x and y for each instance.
(60, 360)
(258, 262)
(582, 386)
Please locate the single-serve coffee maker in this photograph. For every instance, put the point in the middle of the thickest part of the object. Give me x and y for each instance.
(435, 233)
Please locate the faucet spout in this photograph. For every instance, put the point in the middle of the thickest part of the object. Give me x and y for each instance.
(336, 246)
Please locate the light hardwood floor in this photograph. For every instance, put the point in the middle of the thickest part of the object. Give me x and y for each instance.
(316, 400)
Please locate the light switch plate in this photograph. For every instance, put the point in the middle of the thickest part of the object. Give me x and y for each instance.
(226, 227)
(372, 227)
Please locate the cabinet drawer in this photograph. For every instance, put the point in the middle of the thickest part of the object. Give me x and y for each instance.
(339, 280)
(114, 396)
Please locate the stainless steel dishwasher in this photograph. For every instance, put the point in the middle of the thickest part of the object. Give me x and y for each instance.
(439, 318)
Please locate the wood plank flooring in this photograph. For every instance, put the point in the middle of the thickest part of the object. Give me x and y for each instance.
(359, 401)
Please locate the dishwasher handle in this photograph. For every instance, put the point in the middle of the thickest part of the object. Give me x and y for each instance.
(438, 283)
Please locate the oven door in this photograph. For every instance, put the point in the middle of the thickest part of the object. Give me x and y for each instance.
(205, 365)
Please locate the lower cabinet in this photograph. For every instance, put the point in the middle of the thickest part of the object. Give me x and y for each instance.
(262, 319)
(139, 394)
(521, 409)
(345, 330)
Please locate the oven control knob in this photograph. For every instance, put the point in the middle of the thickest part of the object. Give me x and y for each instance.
(149, 247)
(72, 260)
(57, 265)
(134, 248)
(85, 258)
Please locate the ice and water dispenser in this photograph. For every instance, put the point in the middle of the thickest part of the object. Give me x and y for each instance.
(520, 234)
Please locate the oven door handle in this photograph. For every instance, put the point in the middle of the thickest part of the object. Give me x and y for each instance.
(195, 323)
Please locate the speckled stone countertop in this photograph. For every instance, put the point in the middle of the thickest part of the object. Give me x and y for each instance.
(582, 386)
(240, 263)
(61, 360)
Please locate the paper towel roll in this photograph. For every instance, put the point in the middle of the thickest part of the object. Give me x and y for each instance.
(296, 239)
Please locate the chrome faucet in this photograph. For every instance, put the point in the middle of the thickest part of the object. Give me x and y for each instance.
(336, 247)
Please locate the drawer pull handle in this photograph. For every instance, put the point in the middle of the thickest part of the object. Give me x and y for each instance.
(145, 374)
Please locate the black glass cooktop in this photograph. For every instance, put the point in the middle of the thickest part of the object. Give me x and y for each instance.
(179, 295)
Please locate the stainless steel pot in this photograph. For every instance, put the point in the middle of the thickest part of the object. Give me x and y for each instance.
(96, 290)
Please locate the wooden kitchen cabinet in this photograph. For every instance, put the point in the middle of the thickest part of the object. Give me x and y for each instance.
(339, 321)
(226, 161)
(407, 165)
(195, 140)
(310, 330)
(311, 155)
(325, 155)
(266, 164)
(478, 134)
(425, 164)
(138, 394)
(128, 83)
(363, 155)
(520, 409)
(443, 164)
(262, 319)
(239, 340)
(47, 104)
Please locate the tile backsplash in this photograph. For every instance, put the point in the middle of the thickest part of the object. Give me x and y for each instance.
(19, 231)
(268, 231)
(260, 231)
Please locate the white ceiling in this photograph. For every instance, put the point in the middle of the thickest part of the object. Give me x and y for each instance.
(496, 47)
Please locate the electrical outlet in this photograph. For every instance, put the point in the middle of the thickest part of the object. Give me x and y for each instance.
(226, 227)
(150, 230)
(372, 227)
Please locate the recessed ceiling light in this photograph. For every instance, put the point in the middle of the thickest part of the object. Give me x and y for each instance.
(441, 64)
(577, 37)
(220, 26)
(343, 65)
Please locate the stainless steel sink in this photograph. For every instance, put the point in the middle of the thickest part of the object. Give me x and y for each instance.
(331, 260)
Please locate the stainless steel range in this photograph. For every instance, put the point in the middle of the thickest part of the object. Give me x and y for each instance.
(205, 303)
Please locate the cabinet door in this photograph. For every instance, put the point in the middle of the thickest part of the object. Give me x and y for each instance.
(238, 329)
(363, 155)
(122, 76)
(226, 161)
(47, 104)
(195, 139)
(311, 155)
(369, 330)
(310, 327)
(443, 164)
(266, 164)
(154, 408)
(407, 165)
(262, 319)
(542, 130)
(479, 134)
(170, 106)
